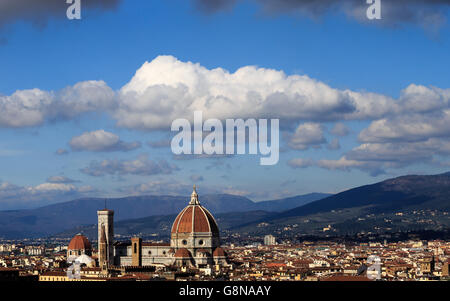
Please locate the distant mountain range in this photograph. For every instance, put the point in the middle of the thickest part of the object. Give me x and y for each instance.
(52, 219)
(400, 204)
(405, 203)
(402, 193)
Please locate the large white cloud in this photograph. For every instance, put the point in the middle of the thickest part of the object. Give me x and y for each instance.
(166, 88)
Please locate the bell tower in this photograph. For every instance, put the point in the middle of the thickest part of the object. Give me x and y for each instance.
(106, 224)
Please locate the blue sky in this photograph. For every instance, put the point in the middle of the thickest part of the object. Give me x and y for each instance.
(334, 48)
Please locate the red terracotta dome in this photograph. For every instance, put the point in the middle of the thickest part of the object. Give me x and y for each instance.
(195, 218)
(79, 242)
(183, 253)
(219, 252)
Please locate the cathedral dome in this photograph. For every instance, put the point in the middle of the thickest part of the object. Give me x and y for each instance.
(195, 218)
(79, 242)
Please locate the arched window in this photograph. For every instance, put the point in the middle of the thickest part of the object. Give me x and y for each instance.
(135, 248)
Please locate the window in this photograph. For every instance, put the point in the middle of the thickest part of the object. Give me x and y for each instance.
(200, 242)
(184, 242)
(135, 248)
(149, 252)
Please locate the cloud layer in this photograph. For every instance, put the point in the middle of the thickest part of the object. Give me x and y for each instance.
(401, 131)
(141, 166)
(428, 13)
(34, 107)
(14, 196)
(61, 179)
(40, 11)
(166, 88)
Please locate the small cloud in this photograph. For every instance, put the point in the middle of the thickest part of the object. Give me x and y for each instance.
(234, 191)
(101, 141)
(45, 187)
(61, 179)
(61, 152)
(87, 189)
(301, 163)
(307, 135)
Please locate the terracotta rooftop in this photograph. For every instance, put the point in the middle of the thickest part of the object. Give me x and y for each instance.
(219, 252)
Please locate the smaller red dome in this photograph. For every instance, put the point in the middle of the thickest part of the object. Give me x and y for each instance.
(219, 252)
(203, 253)
(79, 242)
(183, 253)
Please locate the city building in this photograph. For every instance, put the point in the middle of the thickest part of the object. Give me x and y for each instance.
(269, 240)
(195, 241)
